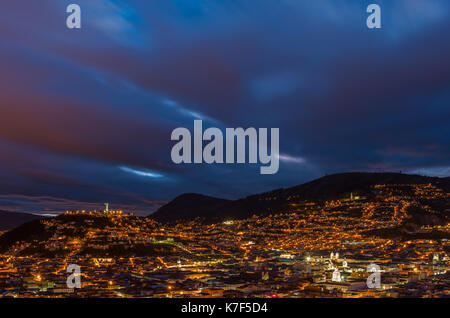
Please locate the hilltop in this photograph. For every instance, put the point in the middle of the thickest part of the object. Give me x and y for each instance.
(379, 204)
(188, 206)
(327, 188)
(83, 234)
(10, 220)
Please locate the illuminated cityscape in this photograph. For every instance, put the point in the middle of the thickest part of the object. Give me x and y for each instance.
(314, 250)
(190, 155)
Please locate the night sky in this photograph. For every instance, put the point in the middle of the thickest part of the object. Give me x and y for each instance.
(86, 115)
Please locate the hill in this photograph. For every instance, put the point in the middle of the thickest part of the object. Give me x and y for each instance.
(188, 206)
(372, 204)
(10, 220)
(330, 187)
(86, 234)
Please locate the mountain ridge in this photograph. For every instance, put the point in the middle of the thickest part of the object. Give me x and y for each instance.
(10, 220)
(394, 205)
(185, 203)
(328, 187)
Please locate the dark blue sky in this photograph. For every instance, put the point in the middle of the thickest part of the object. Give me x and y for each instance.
(86, 115)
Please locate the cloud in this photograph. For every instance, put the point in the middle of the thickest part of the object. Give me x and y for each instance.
(273, 86)
(433, 172)
(50, 206)
(142, 173)
(86, 115)
(288, 158)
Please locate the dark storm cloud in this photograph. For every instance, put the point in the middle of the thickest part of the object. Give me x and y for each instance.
(86, 114)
